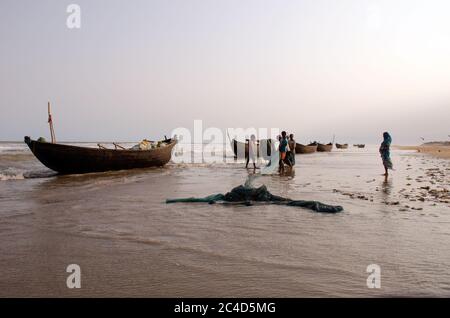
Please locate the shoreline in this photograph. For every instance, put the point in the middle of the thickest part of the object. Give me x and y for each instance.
(438, 151)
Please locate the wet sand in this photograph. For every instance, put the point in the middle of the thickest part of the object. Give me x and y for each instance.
(128, 242)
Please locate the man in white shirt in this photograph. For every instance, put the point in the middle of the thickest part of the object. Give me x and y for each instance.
(252, 151)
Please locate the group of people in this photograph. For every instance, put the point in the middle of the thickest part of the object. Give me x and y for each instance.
(286, 151)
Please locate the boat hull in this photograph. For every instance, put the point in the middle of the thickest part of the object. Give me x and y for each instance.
(340, 146)
(67, 159)
(324, 148)
(240, 149)
(304, 149)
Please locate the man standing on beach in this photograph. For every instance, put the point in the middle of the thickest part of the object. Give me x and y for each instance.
(290, 156)
(283, 150)
(252, 151)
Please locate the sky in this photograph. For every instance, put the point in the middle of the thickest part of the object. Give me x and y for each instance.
(139, 69)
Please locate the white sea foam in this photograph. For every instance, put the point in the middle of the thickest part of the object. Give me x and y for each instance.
(12, 148)
(11, 174)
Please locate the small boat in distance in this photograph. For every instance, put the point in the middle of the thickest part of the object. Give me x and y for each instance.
(67, 159)
(324, 148)
(240, 149)
(341, 146)
(359, 145)
(303, 149)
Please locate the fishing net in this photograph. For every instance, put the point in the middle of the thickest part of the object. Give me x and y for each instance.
(247, 194)
(209, 199)
(272, 167)
(147, 145)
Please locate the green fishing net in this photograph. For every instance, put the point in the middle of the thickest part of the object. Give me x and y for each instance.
(247, 194)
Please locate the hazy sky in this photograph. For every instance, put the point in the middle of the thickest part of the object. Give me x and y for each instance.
(136, 69)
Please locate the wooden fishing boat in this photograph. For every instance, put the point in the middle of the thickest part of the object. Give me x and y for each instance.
(341, 146)
(240, 149)
(67, 159)
(324, 148)
(302, 149)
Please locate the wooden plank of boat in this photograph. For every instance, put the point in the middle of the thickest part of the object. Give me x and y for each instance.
(240, 149)
(324, 148)
(67, 159)
(303, 149)
(341, 146)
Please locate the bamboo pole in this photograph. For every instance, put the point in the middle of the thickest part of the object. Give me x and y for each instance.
(50, 122)
(118, 146)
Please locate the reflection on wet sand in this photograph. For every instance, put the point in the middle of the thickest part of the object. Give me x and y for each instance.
(386, 186)
(128, 242)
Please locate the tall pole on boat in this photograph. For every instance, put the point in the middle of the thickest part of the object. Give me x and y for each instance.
(50, 122)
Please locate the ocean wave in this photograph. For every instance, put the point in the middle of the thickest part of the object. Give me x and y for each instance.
(12, 148)
(17, 174)
(16, 157)
(36, 174)
(11, 175)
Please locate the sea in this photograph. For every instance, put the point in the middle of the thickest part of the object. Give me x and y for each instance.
(391, 239)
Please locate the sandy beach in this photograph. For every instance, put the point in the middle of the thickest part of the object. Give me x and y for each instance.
(128, 242)
(225, 149)
(439, 150)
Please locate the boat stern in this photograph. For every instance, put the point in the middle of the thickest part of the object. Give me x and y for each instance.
(27, 140)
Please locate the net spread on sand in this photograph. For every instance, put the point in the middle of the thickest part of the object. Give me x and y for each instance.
(246, 195)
